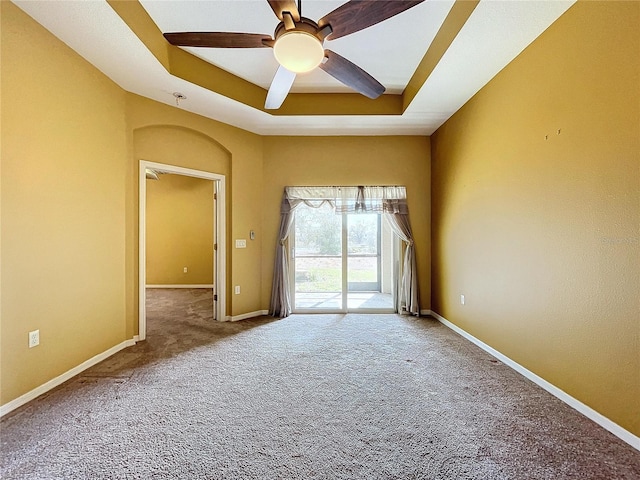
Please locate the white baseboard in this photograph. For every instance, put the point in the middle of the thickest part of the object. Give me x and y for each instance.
(244, 316)
(425, 313)
(45, 387)
(198, 285)
(587, 411)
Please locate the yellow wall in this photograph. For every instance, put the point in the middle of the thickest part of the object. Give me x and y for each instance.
(169, 135)
(70, 199)
(179, 232)
(167, 142)
(348, 161)
(70, 202)
(542, 234)
(64, 158)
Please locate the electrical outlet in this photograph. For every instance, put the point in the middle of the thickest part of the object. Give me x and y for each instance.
(185, 269)
(461, 299)
(34, 338)
(237, 289)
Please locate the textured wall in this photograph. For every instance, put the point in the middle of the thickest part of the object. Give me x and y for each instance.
(64, 159)
(166, 134)
(536, 209)
(349, 161)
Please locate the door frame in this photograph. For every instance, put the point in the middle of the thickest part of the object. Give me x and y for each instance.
(219, 262)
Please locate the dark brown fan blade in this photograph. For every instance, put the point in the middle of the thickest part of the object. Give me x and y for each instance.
(359, 14)
(351, 75)
(280, 6)
(217, 39)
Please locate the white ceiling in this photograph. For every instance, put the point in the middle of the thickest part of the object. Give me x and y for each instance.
(390, 51)
(496, 32)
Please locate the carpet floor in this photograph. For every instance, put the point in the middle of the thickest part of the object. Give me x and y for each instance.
(307, 397)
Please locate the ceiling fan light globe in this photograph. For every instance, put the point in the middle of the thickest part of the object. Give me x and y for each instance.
(298, 52)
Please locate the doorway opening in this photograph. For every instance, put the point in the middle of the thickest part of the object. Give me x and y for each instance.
(341, 262)
(217, 263)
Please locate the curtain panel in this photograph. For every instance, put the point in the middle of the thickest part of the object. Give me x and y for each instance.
(388, 200)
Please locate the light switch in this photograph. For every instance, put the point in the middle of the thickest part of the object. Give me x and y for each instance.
(241, 243)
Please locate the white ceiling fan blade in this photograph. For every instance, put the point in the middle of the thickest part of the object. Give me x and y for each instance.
(280, 86)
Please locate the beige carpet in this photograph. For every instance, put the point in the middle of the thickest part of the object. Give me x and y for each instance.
(307, 397)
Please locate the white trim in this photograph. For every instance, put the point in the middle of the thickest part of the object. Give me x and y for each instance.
(244, 316)
(45, 387)
(587, 411)
(425, 313)
(220, 276)
(182, 286)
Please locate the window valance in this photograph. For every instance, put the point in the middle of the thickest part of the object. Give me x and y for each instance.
(357, 199)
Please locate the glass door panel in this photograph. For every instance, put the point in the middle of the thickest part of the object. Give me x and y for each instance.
(340, 262)
(317, 258)
(364, 272)
(363, 252)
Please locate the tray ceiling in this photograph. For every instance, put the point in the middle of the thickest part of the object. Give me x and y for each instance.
(431, 58)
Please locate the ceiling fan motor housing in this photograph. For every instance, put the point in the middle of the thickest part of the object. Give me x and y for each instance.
(298, 45)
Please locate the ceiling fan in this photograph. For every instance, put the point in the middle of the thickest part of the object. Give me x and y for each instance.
(298, 43)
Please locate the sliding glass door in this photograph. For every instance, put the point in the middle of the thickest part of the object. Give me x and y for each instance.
(340, 262)
(317, 259)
